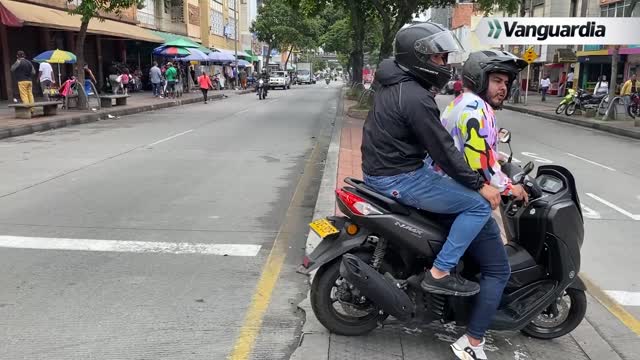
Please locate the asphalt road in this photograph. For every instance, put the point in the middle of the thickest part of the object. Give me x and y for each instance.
(607, 172)
(145, 237)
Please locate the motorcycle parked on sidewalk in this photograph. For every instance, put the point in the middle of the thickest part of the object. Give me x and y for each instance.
(584, 101)
(633, 110)
(371, 261)
(568, 99)
(262, 89)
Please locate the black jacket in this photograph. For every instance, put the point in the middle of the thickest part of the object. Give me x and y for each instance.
(403, 127)
(23, 70)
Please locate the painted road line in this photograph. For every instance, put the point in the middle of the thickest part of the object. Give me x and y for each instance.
(241, 112)
(625, 298)
(537, 158)
(170, 137)
(614, 207)
(611, 305)
(591, 162)
(41, 243)
(252, 323)
(589, 212)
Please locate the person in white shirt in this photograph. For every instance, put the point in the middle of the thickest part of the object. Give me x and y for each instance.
(544, 87)
(570, 80)
(45, 73)
(602, 86)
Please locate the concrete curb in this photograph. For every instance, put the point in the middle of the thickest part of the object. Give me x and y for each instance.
(576, 121)
(75, 119)
(314, 340)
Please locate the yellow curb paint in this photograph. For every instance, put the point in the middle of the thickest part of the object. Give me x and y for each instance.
(612, 306)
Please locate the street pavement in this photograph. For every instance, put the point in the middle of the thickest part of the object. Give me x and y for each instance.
(145, 237)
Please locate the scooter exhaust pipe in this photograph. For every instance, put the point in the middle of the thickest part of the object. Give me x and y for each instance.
(375, 287)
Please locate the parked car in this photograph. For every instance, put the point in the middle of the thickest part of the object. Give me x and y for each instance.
(279, 79)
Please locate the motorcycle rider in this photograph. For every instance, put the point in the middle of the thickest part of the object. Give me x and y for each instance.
(404, 127)
(264, 76)
(470, 119)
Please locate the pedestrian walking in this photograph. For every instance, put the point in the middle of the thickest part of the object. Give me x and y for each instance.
(544, 87)
(205, 84)
(23, 73)
(45, 74)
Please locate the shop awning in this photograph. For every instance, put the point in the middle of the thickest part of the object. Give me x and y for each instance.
(253, 57)
(233, 52)
(35, 15)
(170, 37)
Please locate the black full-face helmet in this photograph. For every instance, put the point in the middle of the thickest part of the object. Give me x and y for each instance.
(480, 64)
(416, 44)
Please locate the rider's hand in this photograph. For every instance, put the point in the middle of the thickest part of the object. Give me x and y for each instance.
(491, 194)
(519, 193)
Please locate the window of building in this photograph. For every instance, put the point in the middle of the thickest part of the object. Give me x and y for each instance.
(616, 9)
(147, 15)
(232, 4)
(232, 29)
(217, 18)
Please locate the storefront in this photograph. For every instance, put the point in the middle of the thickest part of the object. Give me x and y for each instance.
(594, 66)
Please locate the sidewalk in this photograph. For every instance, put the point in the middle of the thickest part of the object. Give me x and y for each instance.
(396, 342)
(138, 102)
(624, 126)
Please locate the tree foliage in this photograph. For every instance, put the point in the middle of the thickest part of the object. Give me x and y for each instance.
(89, 9)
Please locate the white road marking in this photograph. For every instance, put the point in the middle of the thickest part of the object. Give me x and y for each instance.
(241, 112)
(625, 298)
(537, 158)
(170, 137)
(20, 242)
(614, 207)
(589, 212)
(506, 156)
(591, 162)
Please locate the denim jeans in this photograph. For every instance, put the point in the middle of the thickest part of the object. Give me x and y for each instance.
(488, 252)
(427, 190)
(156, 88)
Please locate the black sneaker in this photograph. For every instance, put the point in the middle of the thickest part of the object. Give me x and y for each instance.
(452, 284)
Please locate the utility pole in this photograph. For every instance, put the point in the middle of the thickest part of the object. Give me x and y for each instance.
(235, 28)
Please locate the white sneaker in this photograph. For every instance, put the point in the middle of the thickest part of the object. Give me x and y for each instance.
(465, 351)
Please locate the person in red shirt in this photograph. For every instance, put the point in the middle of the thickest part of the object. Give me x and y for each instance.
(205, 84)
(457, 87)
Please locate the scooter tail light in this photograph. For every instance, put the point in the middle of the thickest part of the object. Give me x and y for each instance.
(358, 205)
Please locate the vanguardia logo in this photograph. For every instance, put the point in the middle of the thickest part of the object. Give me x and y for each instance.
(542, 32)
(495, 25)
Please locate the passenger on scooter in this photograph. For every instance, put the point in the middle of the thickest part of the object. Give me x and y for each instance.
(470, 119)
(400, 131)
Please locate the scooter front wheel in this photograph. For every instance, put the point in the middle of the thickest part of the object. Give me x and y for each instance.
(560, 109)
(560, 318)
(571, 109)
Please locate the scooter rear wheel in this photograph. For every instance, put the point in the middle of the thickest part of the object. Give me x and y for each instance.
(323, 291)
(561, 318)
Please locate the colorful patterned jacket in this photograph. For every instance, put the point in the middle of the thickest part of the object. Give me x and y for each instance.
(472, 124)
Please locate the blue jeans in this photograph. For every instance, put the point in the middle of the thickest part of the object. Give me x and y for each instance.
(488, 252)
(156, 88)
(427, 190)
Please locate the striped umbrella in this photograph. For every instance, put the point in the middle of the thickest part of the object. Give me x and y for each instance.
(57, 56)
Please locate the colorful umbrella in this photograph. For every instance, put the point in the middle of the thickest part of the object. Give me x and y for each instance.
(221, 57)
(171, 51)
(181, 43)
(196, 55)
(57, 56)
(243, 63)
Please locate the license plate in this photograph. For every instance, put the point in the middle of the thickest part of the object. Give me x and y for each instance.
(323, 228)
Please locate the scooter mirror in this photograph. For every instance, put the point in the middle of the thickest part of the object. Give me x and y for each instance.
(504, 136)
(528, 168)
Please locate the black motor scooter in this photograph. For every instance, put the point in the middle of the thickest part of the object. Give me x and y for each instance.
(371, 261)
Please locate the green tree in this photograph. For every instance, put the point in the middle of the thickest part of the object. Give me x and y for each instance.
(89, 9)
(394, 14)
(285, 28)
